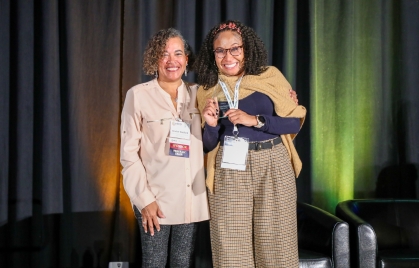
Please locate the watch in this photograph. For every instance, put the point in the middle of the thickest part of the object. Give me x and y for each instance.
(261, 121)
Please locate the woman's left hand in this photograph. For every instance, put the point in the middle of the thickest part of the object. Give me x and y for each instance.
(237, 116)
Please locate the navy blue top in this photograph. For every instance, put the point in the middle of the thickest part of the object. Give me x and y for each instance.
(255, 104)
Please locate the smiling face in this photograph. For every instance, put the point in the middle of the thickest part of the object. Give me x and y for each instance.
(229, 65)
(173, 62)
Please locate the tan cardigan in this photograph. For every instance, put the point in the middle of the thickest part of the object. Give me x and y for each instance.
(271, 83)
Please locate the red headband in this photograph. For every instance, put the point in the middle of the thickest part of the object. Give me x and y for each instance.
(231, 26)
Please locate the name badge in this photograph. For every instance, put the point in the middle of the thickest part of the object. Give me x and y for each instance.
(179, 140)
(235, 153)
(180, 130)
(179, 147)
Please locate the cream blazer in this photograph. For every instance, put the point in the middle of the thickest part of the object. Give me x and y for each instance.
(177, 184)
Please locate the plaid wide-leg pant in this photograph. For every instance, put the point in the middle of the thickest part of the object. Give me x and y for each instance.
(253, 212)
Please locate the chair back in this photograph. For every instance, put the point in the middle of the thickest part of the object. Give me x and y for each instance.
(395, 222)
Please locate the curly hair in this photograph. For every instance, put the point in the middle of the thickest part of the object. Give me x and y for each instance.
(155, 49)
(255, 55)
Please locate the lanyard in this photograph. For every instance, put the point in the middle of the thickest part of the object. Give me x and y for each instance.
(233, 104)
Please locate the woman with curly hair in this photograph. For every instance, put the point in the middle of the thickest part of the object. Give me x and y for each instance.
(162, 154)
(249, 121)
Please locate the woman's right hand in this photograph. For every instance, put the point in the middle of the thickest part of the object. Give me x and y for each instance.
(149, 216)
(210, 112)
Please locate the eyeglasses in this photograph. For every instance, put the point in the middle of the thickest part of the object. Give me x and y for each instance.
(222, 52)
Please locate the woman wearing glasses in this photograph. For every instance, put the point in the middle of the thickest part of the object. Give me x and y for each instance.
(250, 121)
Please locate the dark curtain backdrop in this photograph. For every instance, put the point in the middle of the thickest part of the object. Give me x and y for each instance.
(65, 67)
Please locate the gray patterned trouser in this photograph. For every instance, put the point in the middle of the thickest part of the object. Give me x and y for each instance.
(155, 248)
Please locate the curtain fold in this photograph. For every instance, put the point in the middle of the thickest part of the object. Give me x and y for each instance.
(4, 107)
(356, 85)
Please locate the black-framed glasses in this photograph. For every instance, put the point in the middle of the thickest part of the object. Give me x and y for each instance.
(222, 52)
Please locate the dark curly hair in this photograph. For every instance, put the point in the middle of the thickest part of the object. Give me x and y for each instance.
(255, 55)
(155, 49)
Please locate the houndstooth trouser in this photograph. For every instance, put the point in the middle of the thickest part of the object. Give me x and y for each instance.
(253, 212)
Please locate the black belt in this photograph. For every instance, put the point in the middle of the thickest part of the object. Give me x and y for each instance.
(261, 145)
(264, 144)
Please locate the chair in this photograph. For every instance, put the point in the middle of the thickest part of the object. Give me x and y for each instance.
(383, 232)
(323, 239)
